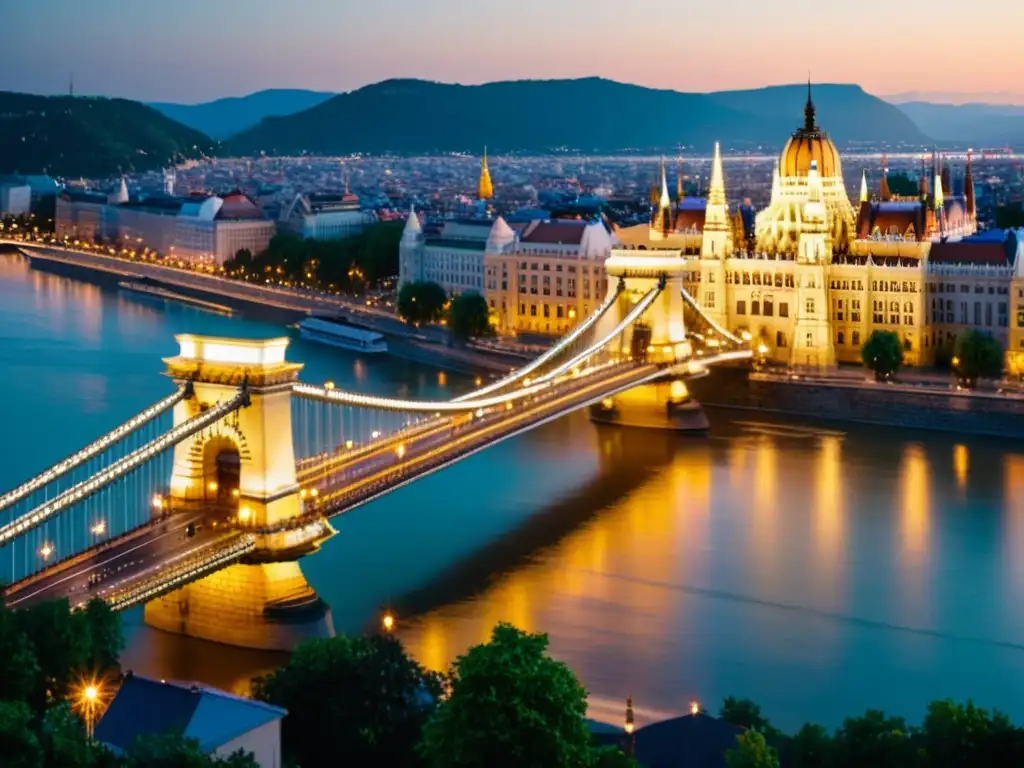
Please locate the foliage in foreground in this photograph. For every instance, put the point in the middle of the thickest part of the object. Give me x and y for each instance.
(882, 353)
(978, 355)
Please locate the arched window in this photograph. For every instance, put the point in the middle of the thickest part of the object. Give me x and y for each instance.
(840, 338)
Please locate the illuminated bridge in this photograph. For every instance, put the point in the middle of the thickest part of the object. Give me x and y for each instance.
(201, 506)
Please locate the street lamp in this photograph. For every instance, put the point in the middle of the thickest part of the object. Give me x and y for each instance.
(388, 622)
(88, 700)
(46, 551)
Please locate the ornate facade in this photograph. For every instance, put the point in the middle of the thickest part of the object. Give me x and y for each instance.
(815, 275)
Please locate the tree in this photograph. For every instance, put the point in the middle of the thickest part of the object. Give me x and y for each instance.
(102, 627)
(173, 751)
(977, 355)
(883, 353)
(612, 757)
(745, 713)
(64, 743)
(751, 751)
(965, 735)
(421, 302)
(469, 317)
(19, 667)
(365, 692)
(811, 747)
(875, 740)
(19, 747)
(61, 646)
(510, 705)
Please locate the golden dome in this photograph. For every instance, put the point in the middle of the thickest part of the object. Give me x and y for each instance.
(810, 143)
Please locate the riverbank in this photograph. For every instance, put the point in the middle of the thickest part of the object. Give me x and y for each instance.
(913, 405)
(271, 304)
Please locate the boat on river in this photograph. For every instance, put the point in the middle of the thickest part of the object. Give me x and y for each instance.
(339, 332)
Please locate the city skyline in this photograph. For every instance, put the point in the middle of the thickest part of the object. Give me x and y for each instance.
(191, 52)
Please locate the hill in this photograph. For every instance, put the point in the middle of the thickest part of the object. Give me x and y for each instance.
(591, 114)
(977, 124)
(226, 117)
(91, 137)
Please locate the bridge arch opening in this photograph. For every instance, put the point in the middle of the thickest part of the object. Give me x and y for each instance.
(222, 466)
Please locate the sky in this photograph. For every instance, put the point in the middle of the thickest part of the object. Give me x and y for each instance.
(195, 50)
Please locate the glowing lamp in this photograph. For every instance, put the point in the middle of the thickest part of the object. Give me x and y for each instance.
(388, 621)
(694, 708)
(245, 514)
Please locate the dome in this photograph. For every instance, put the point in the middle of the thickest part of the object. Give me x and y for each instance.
(810, 143)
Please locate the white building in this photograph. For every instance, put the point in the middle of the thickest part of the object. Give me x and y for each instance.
(325, 216)
(15, 199)
(451, 255)
(212, 230)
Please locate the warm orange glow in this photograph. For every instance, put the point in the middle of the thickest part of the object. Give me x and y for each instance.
(212, 486)
(100, 528)
(694, 708)
(961, 464)
(244, 514)
(388, 621)
(400, 450)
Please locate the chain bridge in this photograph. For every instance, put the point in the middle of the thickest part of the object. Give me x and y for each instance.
(201, 506)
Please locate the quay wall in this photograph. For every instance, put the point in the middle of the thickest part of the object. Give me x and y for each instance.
(895, 405)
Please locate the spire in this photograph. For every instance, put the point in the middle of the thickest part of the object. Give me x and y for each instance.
(485, 189)
(864, 196)
(969, 188)
(947, 183)
(924, 180)
(939, 192)
(716, 212)
(412, 225)
(776, 181)
(883, 185)
(809, 109)
(679, 179)
(664, 201)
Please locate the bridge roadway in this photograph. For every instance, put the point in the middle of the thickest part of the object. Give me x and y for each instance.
(108, 568)
(343, 482)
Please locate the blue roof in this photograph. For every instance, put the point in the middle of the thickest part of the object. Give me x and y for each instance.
(989, 236)
(144, 707)
(693, 204)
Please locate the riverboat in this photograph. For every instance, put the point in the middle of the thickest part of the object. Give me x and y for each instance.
(339, 332)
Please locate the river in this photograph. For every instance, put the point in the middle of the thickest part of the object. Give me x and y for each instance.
(817, 569)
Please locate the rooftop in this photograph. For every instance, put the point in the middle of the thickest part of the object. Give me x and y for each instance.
(212, 717)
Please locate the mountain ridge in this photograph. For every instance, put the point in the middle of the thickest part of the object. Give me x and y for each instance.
(587, 114)
(221, 118)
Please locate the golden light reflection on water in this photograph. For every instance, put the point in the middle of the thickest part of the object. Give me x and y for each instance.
(577, 581)
(828, 522)
(764, 502)
(1013, 540)
(914, 504)
(961, 464)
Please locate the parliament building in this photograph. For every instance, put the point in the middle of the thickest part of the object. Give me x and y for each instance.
(816, 274)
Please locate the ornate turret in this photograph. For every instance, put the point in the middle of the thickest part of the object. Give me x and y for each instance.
(716, 218)
(739, 230)
(485, 189)
(412, 226)
(809, 143)
(661, 220)
(776, 181)
(864, 195)
(809, 124)
(883, 186)
(679, 179)
(947, 182)
(969, 202)
(924, 180)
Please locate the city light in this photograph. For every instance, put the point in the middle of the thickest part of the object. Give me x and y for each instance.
(158, 501)
(388, 621)
(694, 708)
(244, 514)
(87, 699)
(46, 551)
(100, 528)
(212, 486)
(375, 434)
(328, 385)
(400, 450)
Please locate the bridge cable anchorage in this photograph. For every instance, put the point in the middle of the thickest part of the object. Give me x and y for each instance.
(629, 319)
(92, 450)
(718, 329)
(561, 345)
(87, 488)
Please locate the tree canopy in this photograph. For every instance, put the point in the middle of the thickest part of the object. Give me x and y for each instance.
(977, 355)
(510, 704)
(468, 316)
(882, 353)
(421, 302)
(364, 691)
(751, 751)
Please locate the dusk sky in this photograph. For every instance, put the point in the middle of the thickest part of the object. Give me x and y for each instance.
(195, 50)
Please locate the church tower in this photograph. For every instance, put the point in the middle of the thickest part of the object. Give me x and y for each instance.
(812, 337)
(485, 189)
(716, 245)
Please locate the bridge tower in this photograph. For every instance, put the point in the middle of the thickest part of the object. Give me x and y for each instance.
(246, 461)
(241, 470)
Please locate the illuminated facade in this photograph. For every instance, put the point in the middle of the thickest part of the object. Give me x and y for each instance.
(815, 275)
(485, 189)
(546, 276)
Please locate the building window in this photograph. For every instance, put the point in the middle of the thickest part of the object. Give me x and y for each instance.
(522, 309)
(809, 306)
(855, 340)
(533, 310)
(783, 309)
(741, 309)
(547, 310)
(810, 339)
(780, 339)
(558, 311)
(746, 278)
(767, 308)
(839, 338)
(977, 313)
(755, 307)
(988, 315)
(709, 300)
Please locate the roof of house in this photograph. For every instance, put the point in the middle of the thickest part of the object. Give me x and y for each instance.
(212, 717)
(693, 741)
(554, 232)
(969, 252)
